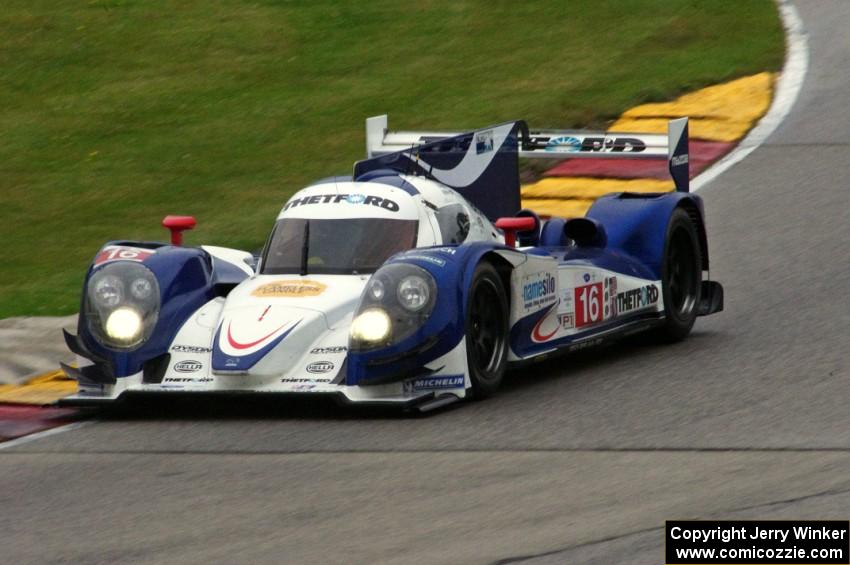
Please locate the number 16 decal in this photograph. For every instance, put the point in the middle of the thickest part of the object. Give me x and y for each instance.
(588, 304)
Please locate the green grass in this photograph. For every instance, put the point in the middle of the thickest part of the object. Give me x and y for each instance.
(116, 113)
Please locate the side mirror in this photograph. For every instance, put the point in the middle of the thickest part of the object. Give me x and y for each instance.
(586, 232)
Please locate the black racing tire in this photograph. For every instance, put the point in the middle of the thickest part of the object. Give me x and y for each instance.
(486, 329)
(681, 277)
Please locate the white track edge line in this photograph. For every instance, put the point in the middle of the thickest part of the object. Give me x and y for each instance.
(787, 90)
(45, 433)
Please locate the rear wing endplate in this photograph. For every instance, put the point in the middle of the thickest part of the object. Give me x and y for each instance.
(558, 144)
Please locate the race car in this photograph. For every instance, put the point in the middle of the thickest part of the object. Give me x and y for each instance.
(415, 282)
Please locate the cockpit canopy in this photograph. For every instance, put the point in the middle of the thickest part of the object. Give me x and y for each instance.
(335, 246)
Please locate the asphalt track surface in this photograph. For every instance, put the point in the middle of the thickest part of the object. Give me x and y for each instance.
(578, 460)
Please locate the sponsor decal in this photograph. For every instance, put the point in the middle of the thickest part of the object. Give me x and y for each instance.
(483, 142)
(303, 387)
(586, 277)
(231, 362)
(612, 145)
(679, 160)
(637, 298)
(188, 380)
(585, 344)
(539, 289)
(320, 367)
(449, 250)
(188, 366)
(360, 199)
(289, 288)
(564, 144)
(427, 258)
(432, 383)
(611, 290)
(295, 288)
(122, 253)
(565, 300)
(305, 380)
(190, 349)
(325, 350)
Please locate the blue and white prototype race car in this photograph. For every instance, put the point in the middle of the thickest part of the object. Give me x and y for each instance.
(416, 282)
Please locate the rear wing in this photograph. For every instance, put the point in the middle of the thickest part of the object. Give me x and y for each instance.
(555, 144)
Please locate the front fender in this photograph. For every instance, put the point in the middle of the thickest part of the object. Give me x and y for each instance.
(187, 280)
(452, 269)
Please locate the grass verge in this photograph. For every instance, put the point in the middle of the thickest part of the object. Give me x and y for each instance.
(115, 113)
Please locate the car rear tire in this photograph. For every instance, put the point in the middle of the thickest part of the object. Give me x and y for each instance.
(486, 331)
(681, 277)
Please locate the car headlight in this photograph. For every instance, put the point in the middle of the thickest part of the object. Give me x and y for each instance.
(108, 291)
(124, 325)
(413, 293)
(122, 304)
(371, 326)
(397, 301)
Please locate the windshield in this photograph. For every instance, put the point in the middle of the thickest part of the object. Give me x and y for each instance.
(344, 246)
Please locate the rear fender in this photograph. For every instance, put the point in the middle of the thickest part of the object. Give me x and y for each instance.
(636, 223)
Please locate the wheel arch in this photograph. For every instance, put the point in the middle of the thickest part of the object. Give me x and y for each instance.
(504, 268)
(636, 223)
(695, 212)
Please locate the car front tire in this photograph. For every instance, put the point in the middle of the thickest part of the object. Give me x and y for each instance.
(486, 331)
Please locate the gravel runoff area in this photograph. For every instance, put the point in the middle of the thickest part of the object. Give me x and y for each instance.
(30, 346)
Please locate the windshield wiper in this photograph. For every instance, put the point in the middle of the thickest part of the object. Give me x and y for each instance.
(305, 247)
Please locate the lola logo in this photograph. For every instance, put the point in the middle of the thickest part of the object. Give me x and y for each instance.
(290, 288)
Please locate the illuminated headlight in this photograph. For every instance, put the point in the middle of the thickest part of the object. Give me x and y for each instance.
(122, 304)
(397, 301)
(413, 293)
(124, 325)
(371, 326)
